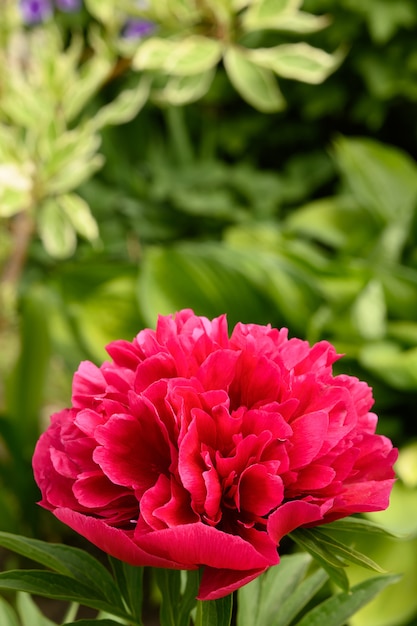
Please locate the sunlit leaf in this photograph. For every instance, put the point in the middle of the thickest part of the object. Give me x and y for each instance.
(298, 61)
(55, 230)
(191, 55)
(79, 214)
(257, 85)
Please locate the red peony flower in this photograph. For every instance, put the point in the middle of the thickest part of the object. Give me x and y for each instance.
(195, 449)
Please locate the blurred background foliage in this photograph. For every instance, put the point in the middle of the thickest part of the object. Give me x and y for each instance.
(253, 157)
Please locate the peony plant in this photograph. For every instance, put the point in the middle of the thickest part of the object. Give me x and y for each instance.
(192, 451)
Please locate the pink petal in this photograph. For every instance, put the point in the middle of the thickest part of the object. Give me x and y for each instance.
(258, 491)
(112, 540)
(309, 433)
(217, 583)
(198, 543)
(290, 516)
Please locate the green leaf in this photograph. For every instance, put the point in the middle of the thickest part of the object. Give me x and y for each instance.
(66, 560)
(335, 611)
(180, 90)
(299, 598)
(382, 178)
(359, 525)
(176, 605)
(257, 85)
(188, 56)
(125, 107)
(260, 600)
(262, 13)
(369, 311)
(214, 612)
(209, 278)
(78, 212)
(59, 587)
(330, 562)
(29, 612)
(298, 61)
(96, 622)
(342, 551)
(15, 188)
(29, 372)
(55, 230)
(130, 583)
(299, 22)
(8, 616)
(392, 364)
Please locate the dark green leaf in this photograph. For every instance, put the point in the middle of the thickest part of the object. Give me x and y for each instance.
(57, 586)
(66, 560)
(328, 561)
(129, 580)
(342, 551)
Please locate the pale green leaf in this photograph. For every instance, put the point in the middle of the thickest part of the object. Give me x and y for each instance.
(104, 12)
(298, 61)
(369, 311)
(85, 85)
(15, 188)
(299, 22)
(181, 90)
(337, 609)
(8, 616)
(261, 13)
(79, 214)
(191, 55)
(55, 230)
(29, 612)
(406, 466)
(390, 363)
(75, 173)
(62, 154)
(257, 85)
(125, 107)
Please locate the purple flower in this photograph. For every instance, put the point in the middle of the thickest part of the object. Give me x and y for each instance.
(68, 5)
(136, 29)
(35, 10)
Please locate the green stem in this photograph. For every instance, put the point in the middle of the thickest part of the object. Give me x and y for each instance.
(179, 138)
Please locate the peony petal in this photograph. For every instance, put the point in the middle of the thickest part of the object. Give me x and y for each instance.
(217, 583)
(88, 385)
(309, 432)
(113, 541)
(201, 544)
(291, 515)
(258, 491)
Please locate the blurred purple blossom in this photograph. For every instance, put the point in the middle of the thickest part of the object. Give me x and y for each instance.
(136, 29)
(35, 10)
(68, 5)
